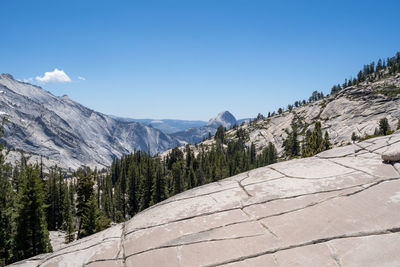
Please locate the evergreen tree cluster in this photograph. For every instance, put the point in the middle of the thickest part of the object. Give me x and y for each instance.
(372, 72)
(32, 203)
(383, 129)
(23, 226)
(313, 143)
(141, 180)
(315, 96)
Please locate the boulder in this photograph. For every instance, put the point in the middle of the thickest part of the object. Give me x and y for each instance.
(392, 154)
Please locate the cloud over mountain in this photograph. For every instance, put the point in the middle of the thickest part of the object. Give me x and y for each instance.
(55, 76)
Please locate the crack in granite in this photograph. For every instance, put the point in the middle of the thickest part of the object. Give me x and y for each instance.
(238, 207)
(333, 254)
(191, 243)
(311, 242)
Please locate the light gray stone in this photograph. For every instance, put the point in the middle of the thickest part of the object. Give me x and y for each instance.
(392, 154)
(336, 209)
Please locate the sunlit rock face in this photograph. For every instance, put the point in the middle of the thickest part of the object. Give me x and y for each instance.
(339, 208)
(225, 118)
(355, 109)
(392, 154)
(67, 132)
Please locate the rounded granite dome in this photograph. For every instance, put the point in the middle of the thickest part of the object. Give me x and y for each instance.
(338, 208)
(225, 118)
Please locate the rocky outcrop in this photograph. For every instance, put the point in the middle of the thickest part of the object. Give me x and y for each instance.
(355, 109)
(338, 208)
(225, 118)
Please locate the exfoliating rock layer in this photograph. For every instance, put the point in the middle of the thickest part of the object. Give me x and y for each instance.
(338, 208)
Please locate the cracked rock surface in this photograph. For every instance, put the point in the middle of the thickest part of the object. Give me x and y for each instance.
(339, 208)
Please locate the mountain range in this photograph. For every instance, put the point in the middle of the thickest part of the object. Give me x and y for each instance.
(73, 135)
(168, 126)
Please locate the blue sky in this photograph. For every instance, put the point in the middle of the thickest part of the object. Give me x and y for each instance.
(192, 59)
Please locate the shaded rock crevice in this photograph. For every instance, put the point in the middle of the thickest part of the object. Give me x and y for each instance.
(242, 187)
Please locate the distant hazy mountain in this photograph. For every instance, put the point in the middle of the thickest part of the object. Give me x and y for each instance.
(191, 131)
(196, 135)
(73, 135)
(167, 125)
(67, 132)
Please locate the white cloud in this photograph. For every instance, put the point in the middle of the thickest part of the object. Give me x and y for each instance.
(81, 78)
(55, 76)
(29, 80)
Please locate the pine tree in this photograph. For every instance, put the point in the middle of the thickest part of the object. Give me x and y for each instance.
(305, 149)
(252, 153)
(107, 198)
(326, 142)
(69, 216)
(32, 236)
(7, 216)
(158, 190)
(177, 185)
(192, 181)
(119, 177)
(384, 127)
(55, 199)
(291, 144)
(353, 137)
(220, 135)
(272, 154)
(90, 218)
(146, 184)
(119, 198)
(84, 192)
(133, 205)
(314, 143)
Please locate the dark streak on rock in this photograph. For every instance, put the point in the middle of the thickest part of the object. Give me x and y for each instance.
(312, 242)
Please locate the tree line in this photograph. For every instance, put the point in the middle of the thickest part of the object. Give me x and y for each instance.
(370, 73)
(34, 202)
(141, 180)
